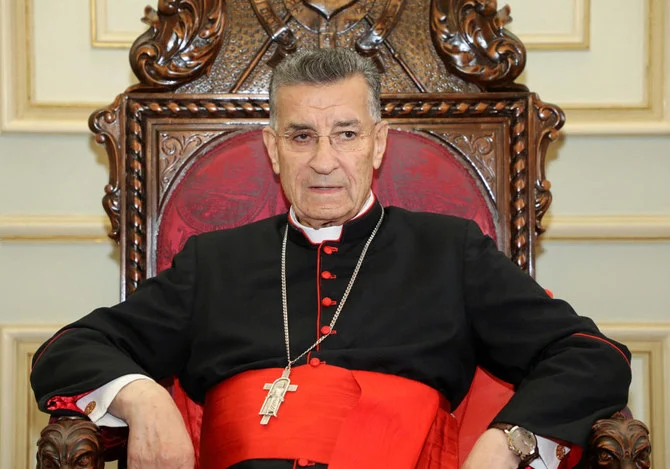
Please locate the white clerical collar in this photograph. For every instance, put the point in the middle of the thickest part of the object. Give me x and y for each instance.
(327, 233)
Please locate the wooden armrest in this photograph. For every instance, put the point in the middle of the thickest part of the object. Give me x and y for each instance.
(616, 442)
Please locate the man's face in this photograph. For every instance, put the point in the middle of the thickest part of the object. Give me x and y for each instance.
(326, 185)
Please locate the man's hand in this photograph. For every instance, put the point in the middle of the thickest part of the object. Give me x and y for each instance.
(157, 436)
(491, 452)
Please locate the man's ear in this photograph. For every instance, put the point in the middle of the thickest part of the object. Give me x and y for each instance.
(381, 135)
(270, 142)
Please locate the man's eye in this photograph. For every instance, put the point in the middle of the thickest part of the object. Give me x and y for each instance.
(302, 137)
(348, 135)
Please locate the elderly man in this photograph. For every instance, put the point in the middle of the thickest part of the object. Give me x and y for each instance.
(342, 333)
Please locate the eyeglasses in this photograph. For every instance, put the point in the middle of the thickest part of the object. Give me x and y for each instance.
(306, 140)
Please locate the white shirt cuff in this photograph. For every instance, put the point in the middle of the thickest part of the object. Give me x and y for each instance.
(547, 450)
(96, 403)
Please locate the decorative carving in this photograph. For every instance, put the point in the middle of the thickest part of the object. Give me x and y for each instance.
(329, 8)
(70, 443)
(368, 45)
(277, 29)
(175, 148)
(481, 150)
(619, 442)
(328, 18)
(181, 43)
(520, 230)
(549, 120)
(135, 199)
(471, 39)
(104, 123)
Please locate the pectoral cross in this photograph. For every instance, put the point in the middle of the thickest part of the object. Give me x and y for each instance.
(276, 392)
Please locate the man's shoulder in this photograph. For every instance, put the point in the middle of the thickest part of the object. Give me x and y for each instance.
(429, 220)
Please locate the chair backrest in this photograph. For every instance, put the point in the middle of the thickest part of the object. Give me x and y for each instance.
(186, 154)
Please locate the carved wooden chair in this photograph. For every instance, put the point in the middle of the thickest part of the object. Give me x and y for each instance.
(186, 155)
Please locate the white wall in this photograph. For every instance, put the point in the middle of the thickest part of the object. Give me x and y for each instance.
(607, 248)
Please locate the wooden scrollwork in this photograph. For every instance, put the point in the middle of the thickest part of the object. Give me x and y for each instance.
(549, 120)
(104, 123)
(174, 149)
(182, 41)
(481, 149)
(618, 443)
(471, 39)
(70, 443)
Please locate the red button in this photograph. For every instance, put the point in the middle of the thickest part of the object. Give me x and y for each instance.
(314, 361)
(325, 330)
(328, 302)
(329, 249)
(327, 275)
(304, 462)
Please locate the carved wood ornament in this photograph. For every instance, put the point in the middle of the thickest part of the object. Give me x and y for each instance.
(619, 443)
(71, 443)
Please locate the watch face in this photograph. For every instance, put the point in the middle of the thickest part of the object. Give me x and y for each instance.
(524, 441)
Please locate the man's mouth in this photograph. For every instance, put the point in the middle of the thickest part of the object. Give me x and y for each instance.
(325, 188)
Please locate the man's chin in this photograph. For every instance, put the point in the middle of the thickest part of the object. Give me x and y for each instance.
(326, 217)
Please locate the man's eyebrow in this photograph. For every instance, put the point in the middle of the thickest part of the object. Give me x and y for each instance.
(298, 126)
(293, 126)
(348, 123)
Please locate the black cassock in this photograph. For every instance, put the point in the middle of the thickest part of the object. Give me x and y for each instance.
(434, 298)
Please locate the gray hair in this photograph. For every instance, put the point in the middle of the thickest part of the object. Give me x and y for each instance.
(325, 66)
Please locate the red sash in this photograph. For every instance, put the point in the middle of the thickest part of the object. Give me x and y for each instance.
(345, 419)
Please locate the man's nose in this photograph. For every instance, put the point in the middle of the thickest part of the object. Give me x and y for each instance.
(324, 160)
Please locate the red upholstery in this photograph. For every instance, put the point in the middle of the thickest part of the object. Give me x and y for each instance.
(233, 184)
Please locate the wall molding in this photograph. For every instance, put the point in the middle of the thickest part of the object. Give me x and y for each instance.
(650, 116)
(607, 227)
(94, 228)
(101, 35)
(54, 228)
(19, 110)
(578, 38)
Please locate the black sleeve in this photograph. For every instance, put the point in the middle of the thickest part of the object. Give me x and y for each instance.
(566, 373)
(149, 334)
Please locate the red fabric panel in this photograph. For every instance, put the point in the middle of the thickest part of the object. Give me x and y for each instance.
(486, 397)
(232, 184)
(419, 174)
(346, 419)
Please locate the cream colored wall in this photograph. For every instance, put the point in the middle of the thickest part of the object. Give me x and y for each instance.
(606, 250)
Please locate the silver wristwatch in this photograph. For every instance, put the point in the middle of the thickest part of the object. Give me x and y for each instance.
(520, 441)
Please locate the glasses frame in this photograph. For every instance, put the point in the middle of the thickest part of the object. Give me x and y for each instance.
(286, 136)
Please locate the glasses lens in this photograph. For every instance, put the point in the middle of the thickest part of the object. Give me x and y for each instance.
(347, 140)
(308, 140)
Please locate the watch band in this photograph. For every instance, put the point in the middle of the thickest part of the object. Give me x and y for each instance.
(526, 452)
